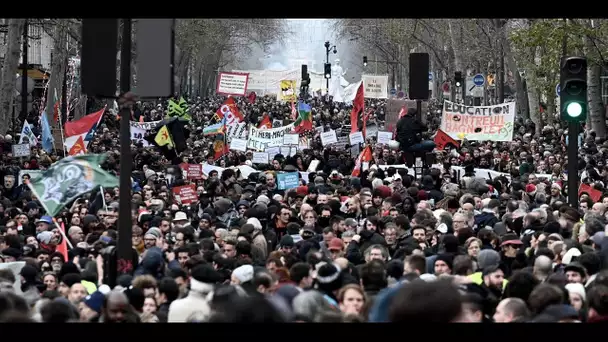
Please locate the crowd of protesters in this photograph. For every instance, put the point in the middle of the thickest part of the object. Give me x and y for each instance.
(385, 246)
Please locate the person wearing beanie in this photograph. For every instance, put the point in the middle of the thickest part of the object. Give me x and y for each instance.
(328, 281)
(203, 279)
(151, 237)
(91, 306)
(443, 264)
(578, 295)
(486, 258)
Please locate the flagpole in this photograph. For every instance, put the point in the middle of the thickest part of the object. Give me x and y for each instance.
(103, 198)
(48, 211)
(61, 124)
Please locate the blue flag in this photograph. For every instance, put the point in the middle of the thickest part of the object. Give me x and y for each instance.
(47, 137)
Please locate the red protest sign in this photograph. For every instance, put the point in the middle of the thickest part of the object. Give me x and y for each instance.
(193, 171)
(185, 194)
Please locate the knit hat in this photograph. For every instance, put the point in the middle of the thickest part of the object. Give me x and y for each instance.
(447, 258)
(263, 199)
(255, 223)
(286, 241)
(154, 233)
(45, 237)
(94, 301)
(243, 273)
(578, 289)
(487, 257)
(531, 189)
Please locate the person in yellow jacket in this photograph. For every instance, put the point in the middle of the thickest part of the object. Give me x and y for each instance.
(486, 258)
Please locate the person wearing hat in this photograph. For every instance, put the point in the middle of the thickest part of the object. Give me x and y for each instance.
(90, 308)
(43, 224)
(152, 236)
(336, 248)
(202, 282)
(575, 273)
(180, 219)
(443, 264)
(577, 295)
(511, 245)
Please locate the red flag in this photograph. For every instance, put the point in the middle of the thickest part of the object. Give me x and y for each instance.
(365, 117)
(364, 156)
(252, 96)
(56, 112)
(83, 125)
(442, 139)
(78, 147)
(358, 107)
(220, 148)
(63, 246)
(593, 193)
(403, 112)
(265, 123)
(231, 111)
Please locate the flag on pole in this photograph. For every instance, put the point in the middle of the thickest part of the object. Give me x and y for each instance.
(266, 123)
(364, 156)
(47, 137)
(81, 132)
(70, 178)
(26, 131)
(358, 107)
(304, 121)
(63, 245)
(56, 108)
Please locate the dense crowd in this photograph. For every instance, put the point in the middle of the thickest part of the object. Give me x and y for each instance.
(385, 246)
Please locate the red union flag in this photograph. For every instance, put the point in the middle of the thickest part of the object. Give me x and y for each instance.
(442, 140)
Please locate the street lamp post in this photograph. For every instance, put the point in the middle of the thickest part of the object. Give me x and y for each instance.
(328, 48)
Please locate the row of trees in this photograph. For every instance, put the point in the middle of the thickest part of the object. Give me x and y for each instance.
(530, 48)
(203, 46)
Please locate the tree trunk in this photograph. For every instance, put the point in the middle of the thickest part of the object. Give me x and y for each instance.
(8, 80)
(458, 62)
(534, 97)
(522, 102)
(58, 65)
(596, 110)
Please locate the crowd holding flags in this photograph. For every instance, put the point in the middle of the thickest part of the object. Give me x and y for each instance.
(79, 133)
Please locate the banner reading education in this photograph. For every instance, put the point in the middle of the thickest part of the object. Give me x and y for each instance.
(260, 139)
(494, 123)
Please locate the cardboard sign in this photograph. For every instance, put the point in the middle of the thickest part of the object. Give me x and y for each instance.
(185, 194)
(21, 150)
(230, 83)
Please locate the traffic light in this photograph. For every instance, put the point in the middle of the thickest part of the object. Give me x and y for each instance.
(364, 60)
(328, 70)
(573, 89)
(458, 79)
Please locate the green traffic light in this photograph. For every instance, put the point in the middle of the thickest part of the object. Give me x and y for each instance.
(574, 109)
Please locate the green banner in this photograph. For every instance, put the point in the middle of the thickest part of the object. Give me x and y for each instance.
(70, 178)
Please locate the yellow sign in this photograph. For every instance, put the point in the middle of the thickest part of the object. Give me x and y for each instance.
(287, 93)
(490, 80)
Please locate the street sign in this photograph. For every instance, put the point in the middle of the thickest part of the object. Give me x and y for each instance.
(445, 86)
(558, 90)
(479, 80)
(393, 91)
(30, 85)
(401, 94)
(430, 75)
(472, 89)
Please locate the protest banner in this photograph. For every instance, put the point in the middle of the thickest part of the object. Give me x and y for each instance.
(185, 194)
(230, 83)
(192, 171)
(139, 130)
(288, 180)
(494, 123)
(375, 86)
(260, 139)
